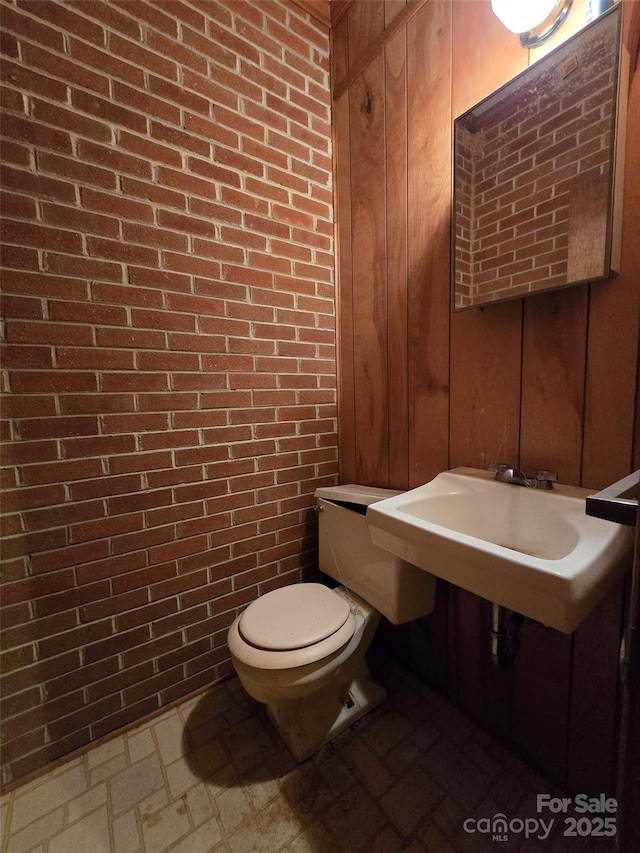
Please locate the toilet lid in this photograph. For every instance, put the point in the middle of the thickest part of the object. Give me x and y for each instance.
(293, 617)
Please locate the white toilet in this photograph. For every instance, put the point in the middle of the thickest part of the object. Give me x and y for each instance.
(300, 649)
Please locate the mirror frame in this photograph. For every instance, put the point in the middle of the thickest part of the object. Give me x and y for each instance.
(601, 226)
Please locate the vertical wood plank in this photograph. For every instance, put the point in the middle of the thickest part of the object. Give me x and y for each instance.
(631, 221)
(475, 684)
(594, 685)
(612, 383)
(485, 343)
(344, 299)
(485, 377)
(338, 9)
(636, 452)
(485, 385)
(366, 98)
(366, 22)
(391, 9)
(436, 628)
(339, 51)
(614, 318)
(396, 225)
(554, 347)
(429, 180)
(485, 54)
(541, 690)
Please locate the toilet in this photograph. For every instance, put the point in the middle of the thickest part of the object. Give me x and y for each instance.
(300, 649)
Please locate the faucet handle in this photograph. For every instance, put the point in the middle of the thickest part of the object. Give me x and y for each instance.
(545, 479)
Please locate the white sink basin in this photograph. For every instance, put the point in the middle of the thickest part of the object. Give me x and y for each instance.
(534, 551)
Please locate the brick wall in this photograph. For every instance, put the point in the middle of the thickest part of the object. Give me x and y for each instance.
(539, 166)
(463, 199)
(169, 346)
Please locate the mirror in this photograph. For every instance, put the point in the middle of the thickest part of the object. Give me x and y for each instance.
(534, 175)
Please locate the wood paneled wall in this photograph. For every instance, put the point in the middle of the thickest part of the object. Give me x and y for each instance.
(546, 382)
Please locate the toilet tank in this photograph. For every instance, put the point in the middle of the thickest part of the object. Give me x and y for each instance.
(397, 589)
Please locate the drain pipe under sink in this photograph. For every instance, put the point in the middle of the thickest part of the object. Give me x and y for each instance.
(504, 635)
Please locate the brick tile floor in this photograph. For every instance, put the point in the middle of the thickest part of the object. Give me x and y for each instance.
(212, 776)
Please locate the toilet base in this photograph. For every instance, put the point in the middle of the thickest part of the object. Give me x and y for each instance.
(307, 724)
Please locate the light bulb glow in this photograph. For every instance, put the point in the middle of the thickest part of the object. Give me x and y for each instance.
(521, 16)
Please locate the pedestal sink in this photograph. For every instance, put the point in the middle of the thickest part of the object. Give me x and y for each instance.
(533, 551)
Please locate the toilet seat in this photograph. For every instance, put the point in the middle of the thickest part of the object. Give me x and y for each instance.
(292, 626)
(293, 617)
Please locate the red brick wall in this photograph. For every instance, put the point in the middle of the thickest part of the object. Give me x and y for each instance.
(169, 346)
(464, 230)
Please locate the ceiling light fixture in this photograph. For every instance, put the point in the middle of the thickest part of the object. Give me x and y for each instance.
(533, 20)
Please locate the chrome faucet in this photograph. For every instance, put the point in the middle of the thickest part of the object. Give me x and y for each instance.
(509, 474)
